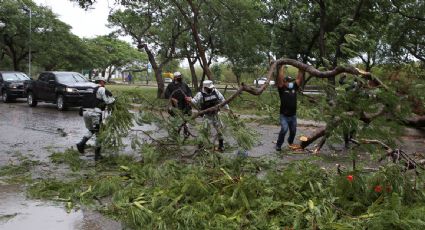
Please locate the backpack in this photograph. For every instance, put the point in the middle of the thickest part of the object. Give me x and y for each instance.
(90, 100)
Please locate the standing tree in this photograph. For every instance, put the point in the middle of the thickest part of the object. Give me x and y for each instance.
(15, 33)
(109, 53)
(155, 29)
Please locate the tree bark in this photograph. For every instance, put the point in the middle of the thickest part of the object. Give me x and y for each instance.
(192, 21)
(238, 78)
(111, 70)
(193, 72)
(313, 137)
(156, 68)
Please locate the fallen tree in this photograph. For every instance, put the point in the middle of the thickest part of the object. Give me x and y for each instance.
(416, 121)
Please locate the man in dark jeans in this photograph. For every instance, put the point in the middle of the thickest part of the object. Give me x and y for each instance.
(177, 91)
(287, 89)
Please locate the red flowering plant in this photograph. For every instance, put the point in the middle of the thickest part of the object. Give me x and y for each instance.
(378, 189)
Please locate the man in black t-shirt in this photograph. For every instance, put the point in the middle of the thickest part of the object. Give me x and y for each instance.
(176, 91)
(287, 89)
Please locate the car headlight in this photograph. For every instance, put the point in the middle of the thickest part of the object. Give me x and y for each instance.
(71, 90)
(13, 86)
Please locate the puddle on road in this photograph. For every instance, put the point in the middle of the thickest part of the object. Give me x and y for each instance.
(17, 212)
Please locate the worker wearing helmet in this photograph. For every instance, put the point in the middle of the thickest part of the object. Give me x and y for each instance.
(176, 91)
(92, 110)
(207, 98)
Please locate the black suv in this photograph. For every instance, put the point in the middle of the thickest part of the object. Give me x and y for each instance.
(12, 85)
(65, 89)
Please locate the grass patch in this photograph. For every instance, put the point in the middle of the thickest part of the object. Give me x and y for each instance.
(70, 157)
(19, 172)
(22, 167)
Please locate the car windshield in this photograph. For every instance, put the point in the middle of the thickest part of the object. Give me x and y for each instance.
(70, 78)
(15, 77)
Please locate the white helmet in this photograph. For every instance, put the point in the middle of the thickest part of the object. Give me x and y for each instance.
(207, 84)
(99, 78)
(177, 74)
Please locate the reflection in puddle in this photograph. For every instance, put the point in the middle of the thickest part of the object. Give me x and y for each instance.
(17, 212)
(31, 214)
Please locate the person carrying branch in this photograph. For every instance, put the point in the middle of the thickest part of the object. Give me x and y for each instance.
(94, 105)
(207, 98)
(176, 91)
(287, 89)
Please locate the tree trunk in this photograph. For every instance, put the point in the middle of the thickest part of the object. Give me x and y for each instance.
(238, 78)
(161, 86)
(201, 52)
(156, 68)
(202, 80)
(200, 48)
(193, 73)
(192, 21)
(15, 62)
(111, 70)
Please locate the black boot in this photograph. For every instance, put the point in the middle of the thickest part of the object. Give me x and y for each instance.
(97, 155)
(221, 145)
(82, 144)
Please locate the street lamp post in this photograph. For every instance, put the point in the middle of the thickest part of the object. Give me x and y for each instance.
(29, 40)
(29, 46)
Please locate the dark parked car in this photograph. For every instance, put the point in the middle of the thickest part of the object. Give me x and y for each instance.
(65, 89)
(12, 85)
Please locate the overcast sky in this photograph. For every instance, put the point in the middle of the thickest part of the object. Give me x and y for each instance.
(86, 24)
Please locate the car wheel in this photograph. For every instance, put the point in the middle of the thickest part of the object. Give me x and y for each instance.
(31, 100)
(60, 103)
(5, 97)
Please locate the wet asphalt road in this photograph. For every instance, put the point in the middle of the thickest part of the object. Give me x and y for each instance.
(37, 130)
(33, 132)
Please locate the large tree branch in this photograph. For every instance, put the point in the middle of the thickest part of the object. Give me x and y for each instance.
(286, 61)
